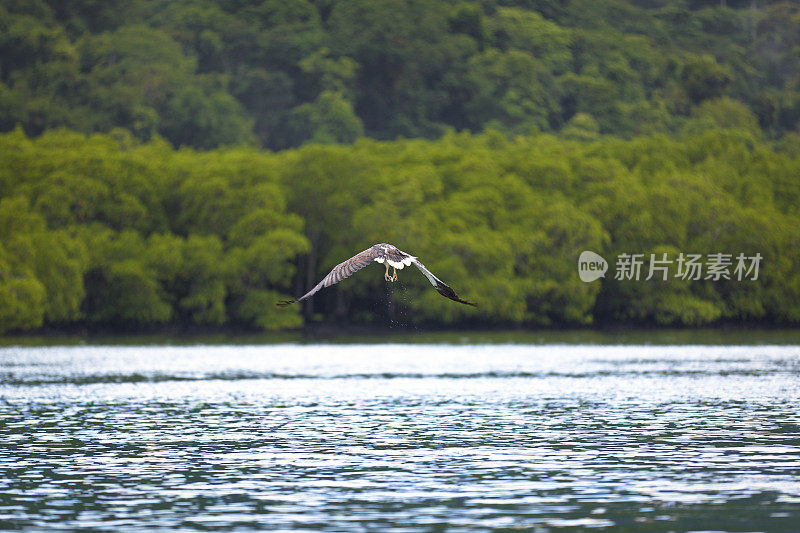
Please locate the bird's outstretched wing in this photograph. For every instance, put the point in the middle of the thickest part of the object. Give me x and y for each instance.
(380, 253)
(343, 270)
(441, 287)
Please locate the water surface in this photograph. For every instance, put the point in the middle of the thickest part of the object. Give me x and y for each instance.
(399, 437)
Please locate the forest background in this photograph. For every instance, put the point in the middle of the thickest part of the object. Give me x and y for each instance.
(191, 163)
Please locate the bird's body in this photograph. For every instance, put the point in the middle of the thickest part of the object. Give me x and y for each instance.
(385, 253)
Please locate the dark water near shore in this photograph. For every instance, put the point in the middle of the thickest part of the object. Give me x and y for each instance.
(400, 437)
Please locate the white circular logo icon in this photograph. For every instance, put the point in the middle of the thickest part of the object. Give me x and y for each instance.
(591, 266)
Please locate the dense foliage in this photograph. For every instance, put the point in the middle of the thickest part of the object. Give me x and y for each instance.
(496, 139)
(106, 230)
(279, 73)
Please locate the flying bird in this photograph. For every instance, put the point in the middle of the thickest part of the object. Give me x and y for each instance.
(380, 253)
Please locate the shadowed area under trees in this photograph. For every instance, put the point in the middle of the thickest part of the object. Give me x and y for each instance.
(136, 191)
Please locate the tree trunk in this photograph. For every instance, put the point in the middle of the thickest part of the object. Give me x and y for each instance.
(311, 268)
(341, 306)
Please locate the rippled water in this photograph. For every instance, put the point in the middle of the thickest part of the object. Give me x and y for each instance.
(400, 437)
